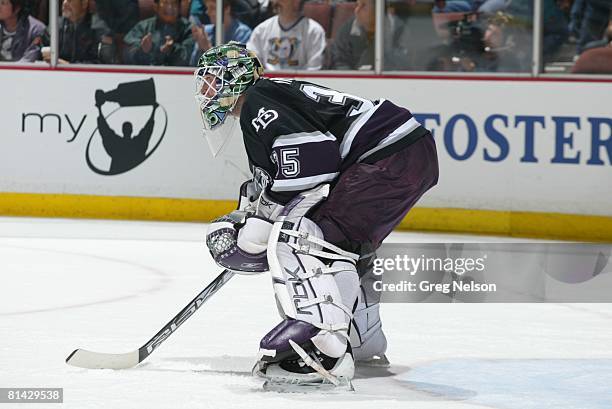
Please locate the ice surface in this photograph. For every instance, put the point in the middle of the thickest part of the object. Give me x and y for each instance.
(519, 383)
(109, 286)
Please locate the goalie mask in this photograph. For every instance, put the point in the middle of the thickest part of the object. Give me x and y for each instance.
(223, 74)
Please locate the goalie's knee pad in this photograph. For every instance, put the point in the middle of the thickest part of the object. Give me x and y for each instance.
(316, 287)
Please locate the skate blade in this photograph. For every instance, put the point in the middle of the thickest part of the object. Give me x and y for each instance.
(376, 362)
(307, 387)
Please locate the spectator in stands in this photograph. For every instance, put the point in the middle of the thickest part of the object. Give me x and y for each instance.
(353, 46)
(289, 40)
(21, 35)
(250, 12)
(588, 21)
(596, 57)
(164, 39)
(493, 6)
(83, 38)
(198, 14)
(594, 61)
(119, 15)
(452, 6)
(233, 30)
(576, 13)
(604, 42)
(555, 26)
(464, 50)
(253, 12)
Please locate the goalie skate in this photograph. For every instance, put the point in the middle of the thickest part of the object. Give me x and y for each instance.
(313, 387)
(308, 371)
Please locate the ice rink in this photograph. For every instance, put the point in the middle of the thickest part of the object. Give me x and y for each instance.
(109, 286)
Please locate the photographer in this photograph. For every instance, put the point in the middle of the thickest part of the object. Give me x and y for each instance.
(501, 51)
(464, 50)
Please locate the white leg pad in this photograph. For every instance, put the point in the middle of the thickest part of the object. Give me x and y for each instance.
(311, 283)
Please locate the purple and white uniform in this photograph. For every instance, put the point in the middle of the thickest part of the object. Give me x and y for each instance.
(378, 159)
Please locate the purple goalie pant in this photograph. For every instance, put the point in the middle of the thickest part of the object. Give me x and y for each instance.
(370, 200)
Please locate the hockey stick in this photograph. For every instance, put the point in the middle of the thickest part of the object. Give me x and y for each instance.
(99, 360)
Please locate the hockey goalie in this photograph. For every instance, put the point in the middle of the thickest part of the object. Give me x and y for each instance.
(333, 174)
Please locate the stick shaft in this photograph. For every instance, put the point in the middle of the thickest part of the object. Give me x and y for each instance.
(184, 314)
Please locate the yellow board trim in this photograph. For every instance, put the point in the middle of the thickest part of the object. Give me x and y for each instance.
(558, 226)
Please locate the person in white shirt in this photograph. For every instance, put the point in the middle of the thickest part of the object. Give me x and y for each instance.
(289, 40)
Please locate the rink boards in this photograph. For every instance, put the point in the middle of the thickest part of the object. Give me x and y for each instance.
(517, 156)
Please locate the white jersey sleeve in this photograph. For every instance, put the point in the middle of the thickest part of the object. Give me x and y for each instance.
(314, 44)
(256, 41)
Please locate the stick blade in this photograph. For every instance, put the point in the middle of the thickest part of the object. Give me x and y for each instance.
(83, 358)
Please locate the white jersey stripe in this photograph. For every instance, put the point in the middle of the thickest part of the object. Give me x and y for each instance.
(282, 80)
(285, 185)
(393, 137)
(347, 141)
(301, 138)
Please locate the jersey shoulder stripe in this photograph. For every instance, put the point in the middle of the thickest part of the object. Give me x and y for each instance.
(405, 129)
(299, 184)
(302, 137)
(349, 136)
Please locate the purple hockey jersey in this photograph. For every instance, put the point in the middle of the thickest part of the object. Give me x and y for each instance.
(302, 134)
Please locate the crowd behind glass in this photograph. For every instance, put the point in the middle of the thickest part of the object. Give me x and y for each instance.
(418, 35)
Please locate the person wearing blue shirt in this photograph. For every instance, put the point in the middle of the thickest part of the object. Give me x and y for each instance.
(233, 29)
